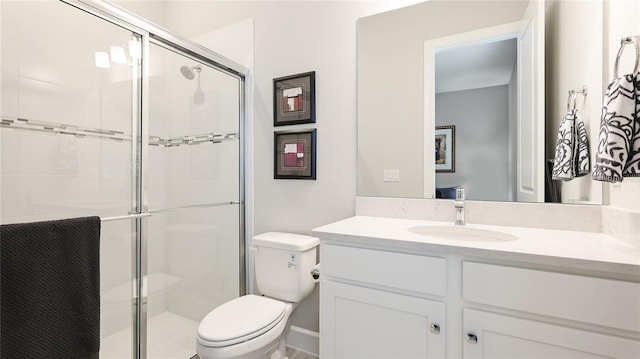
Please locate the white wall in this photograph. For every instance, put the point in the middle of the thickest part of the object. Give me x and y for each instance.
(621, 16)
(152, 10)
(481, 117)
(570, 64)
(606, 23)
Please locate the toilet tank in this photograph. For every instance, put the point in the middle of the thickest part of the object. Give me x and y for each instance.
(283, 263)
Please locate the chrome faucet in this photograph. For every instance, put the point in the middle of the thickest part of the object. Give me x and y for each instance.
(459, 205)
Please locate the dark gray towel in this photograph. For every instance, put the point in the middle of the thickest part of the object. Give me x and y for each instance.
(50, 289)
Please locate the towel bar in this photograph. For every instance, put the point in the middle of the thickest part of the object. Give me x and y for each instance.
(162, 210)
(624, 42)
(573, 95)
(129, 216)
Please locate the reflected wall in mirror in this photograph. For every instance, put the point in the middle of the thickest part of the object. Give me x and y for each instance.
(430, 65)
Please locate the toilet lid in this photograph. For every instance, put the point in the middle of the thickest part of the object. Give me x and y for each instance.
(241, 319)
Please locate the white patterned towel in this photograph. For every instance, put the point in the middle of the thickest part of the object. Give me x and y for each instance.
(619, 142)
(572, 149)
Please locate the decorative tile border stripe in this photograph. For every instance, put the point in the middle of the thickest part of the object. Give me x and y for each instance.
(81, 132)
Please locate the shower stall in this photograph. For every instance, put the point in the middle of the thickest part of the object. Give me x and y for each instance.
(106, 114)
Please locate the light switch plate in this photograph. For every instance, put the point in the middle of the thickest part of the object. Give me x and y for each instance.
(391, 176)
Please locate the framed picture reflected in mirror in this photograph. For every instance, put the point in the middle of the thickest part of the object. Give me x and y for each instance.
(445, 148)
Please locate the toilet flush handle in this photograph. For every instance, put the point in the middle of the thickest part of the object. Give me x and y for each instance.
(315, 272)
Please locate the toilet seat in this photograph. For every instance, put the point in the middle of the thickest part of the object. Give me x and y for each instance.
(240, 320)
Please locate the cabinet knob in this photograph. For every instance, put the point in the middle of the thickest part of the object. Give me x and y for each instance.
(435, 328)
(472, 338)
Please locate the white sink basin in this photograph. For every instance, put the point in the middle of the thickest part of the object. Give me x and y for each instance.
(463, 233)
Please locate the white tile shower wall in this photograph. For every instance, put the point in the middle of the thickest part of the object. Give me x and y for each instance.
(205, 173)
(48, 74)
(10, 49)
(10, 82)
(218, 113)
(49, 102)
(60, 175)
(8, 17)
(202, 244)
(236, 42)
(159, 168)
(113, 115)
(202, 250)
(10, 152)
(116, 244)
(536, 215)
(71, 55)
(9, 206)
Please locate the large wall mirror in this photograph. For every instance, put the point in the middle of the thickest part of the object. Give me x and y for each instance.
(471, 93)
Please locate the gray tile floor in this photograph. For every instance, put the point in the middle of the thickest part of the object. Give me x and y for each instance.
(291, 354)
(296, 354)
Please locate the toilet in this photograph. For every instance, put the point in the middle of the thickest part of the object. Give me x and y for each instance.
(252, 326)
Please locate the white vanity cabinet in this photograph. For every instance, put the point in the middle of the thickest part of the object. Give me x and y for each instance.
(566, 314)
(490, 335)
(371, 323)
(371, 308)
(385, 302)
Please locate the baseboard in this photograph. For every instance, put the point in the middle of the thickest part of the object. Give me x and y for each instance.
(304, 340)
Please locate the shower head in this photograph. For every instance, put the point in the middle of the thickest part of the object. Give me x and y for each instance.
(188, 72)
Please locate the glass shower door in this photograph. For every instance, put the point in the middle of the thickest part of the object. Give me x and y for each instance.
(81, 99)
(194, 197)
(69, 101)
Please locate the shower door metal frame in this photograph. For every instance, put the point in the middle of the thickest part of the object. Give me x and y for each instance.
(150, 33)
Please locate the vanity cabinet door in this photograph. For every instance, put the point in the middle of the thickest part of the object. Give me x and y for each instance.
(489, 335)
(358, 322)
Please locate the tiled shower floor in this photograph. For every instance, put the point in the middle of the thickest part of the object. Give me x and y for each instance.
(169, 336)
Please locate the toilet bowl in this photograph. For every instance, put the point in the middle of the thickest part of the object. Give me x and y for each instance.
(252, 326)
(248, 327)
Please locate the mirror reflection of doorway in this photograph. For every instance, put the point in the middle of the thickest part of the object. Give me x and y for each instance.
(475, 91)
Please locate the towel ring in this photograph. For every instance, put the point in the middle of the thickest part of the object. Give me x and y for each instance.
(623, 42)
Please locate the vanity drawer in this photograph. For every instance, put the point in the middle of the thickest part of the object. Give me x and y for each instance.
(387, 269)
(592, 300)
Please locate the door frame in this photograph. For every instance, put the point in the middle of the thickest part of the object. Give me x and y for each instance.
(431, 48)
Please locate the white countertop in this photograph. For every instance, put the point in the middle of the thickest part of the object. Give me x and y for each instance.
(572, 249)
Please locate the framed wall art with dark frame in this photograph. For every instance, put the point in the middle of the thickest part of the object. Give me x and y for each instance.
(445, 148)
(294, 99)
(294, 154)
